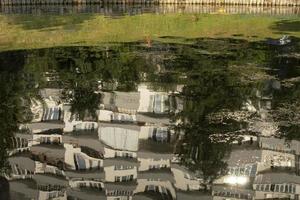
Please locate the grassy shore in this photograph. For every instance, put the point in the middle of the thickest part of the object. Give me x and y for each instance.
(26, 31)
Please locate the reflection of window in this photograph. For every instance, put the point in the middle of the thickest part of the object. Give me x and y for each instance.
(276, 188)
(294, 189)
(272, 187)
(117, 179)
(290, 188)
(281, 188)
(257, 187)
(286, 189)
(261, 187)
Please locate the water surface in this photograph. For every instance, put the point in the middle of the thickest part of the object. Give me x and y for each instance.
(149, 106)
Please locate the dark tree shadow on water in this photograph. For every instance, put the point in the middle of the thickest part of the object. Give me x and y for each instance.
(4, 189)
(287, 26)
(35, 22)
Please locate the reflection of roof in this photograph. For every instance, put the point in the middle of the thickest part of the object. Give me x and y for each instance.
(155, 156)
(280, 144)
(128, 100)
(119, 138)
(277, 178)
(86, 194)
(192, 195)
(95, 174)
(52, 152)
(23, 188)
(23, 162)
(242, 157)
(184, 170)
(123, 186)
(152, 119)
(54, 93)
(155, 146)
(43, 179)
(125, 100)
(157, 175)
(123, 126)
(88, 140)
(119, 162)
(45, 126)
(143, 196)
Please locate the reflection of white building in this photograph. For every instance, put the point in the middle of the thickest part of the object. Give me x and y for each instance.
(46, 139)
(39, 127)
(76, 159)
(277, 186)
(160, 134)
(73, 123)
(20, 143)
(245, 164)
(144, 101)
(154, 160)
(120, 170)
(120, 137)
(86, 183)
(153, 102)
(21, 167)
(281, 145)
(220, 192)
(110, 116)
(50, 108)
(119, 191)
(160, 187)
(185, 180)
(25, 167)
(54, 195)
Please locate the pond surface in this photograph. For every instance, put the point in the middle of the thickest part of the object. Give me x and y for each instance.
(149, 106)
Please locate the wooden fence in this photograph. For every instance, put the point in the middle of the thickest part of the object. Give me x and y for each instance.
(130, 9)
(210, 2)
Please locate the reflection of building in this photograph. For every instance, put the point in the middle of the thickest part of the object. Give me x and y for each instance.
(73, 123)
(221, 192)
(281, 145)
(76, 159)
(25, 167)
(286, 147)
(247, 163)
(86, 183)
(120, 170)
(21, 142)
(120, 137)
(153, 102)
(139, 106)
(277, 186)
(55, 195)
(46, 139)
(50, 107)
(159, 182)
(119, 190)
(185, 180)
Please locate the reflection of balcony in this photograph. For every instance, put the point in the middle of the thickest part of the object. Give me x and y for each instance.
(86, 183)
(161, 189)
(277, 185)
(224, 192)
(120, 173)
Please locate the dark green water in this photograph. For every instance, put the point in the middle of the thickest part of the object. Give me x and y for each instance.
(209, 119)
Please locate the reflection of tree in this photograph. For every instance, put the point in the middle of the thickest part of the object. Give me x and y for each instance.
(10, 112)
(84, 100)
(205, 142)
